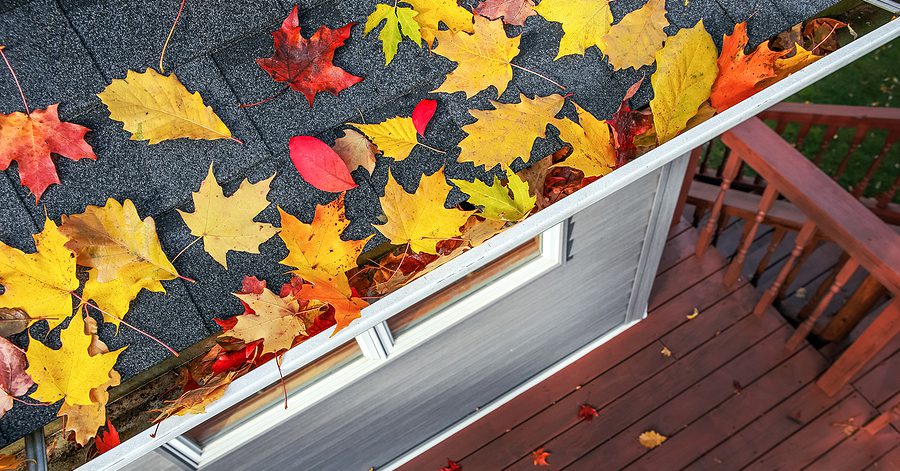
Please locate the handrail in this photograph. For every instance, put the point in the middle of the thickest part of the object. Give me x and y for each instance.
(840, 115)
(837, 214)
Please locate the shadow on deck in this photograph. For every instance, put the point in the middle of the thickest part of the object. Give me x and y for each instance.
(728, 396)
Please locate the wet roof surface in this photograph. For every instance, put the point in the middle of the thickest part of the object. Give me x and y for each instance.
(66, 51)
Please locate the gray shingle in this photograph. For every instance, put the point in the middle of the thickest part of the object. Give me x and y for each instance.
(49, 60)
(129, 34)
(16, 225)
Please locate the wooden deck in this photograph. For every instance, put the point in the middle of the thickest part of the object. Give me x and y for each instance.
(730, 396)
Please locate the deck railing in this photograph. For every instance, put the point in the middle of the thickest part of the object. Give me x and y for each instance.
(855, 145)
(797, 196)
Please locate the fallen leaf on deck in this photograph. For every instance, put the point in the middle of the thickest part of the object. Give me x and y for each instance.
(451, 466)
(226, 223)
(306, 65)
(666, 352)
(587, 412)
(539, 457)
(651, 439)
(693, 315)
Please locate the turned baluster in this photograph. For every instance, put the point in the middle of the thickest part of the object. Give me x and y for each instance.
(801, 135)
(860, 188)
(843, 276)
(827, 139)
(730, 170)
(807, 232)
(884, 200)
(858, 306)
(777, 238)
(737, 263)
(861, 132)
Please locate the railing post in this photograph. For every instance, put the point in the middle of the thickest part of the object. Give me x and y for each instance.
(737, 263)
(807, 232)
(728, 175)
(882, 330)
(806, 327)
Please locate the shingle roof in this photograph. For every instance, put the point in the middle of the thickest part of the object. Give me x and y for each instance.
(68, 50)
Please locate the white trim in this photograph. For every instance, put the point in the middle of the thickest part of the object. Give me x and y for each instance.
(552, 249)
(183, 452)
(377, 342)
(457, 268)
(496, 404)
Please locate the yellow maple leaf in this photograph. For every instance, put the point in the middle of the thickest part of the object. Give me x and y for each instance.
(70, 372)
(394, 137)
(633, 42)
(316, 250)
(226, 223)
(85, 420)
(276, 321)
(195, 400)
(483, 58)
(584, 22)
(512, 202)
(651, 439)
(593, 151)
(121, 249)
(420, 219)
(156, 108)
(785, 66)
(685, 71)
(40, 283)
(433, 12)
(500, 135)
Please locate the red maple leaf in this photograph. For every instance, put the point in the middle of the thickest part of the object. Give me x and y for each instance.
(587, 412)
(307, 64)
(29, 139)
(514, 12)
(539, 457)
(626, 124)
(451, 466)
(107, 440)
(740, 73)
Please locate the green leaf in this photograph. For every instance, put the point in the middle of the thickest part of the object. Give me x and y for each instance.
(512, 202)
(399, 22)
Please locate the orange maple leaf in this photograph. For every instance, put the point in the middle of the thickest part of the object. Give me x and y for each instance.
(539, 457)
(740, 74)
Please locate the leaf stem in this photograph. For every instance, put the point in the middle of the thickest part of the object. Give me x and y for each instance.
(16, 79)
(186, 247)
(29, 403)
(537, 75)
(281, 377)
(433, 149)
(266, 100)
(169, 37)
(87, 303)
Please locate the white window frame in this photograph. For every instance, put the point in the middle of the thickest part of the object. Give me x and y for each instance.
(378, 347)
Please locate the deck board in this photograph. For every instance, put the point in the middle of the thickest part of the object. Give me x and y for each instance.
(729, 396)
